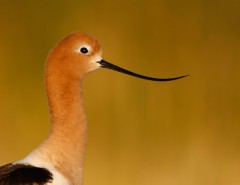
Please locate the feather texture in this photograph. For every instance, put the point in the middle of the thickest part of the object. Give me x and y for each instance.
(24, 174)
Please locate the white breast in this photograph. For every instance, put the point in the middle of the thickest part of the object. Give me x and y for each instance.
(35, 160)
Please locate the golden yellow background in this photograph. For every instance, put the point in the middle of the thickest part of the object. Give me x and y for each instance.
(185, 132)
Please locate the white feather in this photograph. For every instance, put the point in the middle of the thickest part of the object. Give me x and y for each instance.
(36, 160)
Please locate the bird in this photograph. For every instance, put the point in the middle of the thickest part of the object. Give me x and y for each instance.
(59, 159)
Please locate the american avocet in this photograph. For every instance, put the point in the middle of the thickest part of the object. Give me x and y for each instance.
(59, 159)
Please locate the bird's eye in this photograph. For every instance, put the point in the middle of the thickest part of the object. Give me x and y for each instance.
(84, 50)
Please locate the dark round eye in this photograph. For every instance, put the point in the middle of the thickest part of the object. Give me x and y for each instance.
(84, 50)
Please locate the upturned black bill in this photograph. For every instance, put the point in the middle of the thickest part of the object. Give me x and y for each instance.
(108, 65)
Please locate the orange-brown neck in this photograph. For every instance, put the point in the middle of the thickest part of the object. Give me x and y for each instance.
(65, 146)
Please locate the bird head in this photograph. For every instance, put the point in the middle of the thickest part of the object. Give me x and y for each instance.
(78, 54)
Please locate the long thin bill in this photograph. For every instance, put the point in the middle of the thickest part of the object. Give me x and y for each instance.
(108, 65)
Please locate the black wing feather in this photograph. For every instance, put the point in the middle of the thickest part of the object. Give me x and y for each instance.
(24, 174)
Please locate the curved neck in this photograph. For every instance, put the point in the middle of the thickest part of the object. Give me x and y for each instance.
(68, 136)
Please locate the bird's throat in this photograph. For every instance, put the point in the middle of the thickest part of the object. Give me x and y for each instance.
(68, 135)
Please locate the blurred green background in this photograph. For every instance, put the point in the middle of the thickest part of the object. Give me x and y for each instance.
(184, 132)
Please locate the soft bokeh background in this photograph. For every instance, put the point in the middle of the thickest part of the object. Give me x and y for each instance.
(185, 132)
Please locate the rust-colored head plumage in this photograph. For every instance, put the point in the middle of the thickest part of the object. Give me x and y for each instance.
(78, 54)
(75, 55)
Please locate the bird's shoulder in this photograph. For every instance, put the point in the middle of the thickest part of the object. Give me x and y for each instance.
(24, 174)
